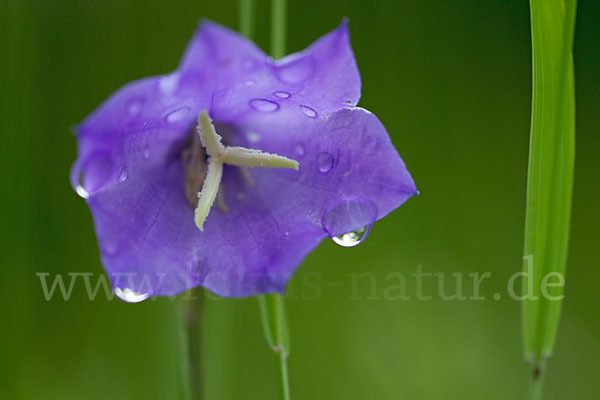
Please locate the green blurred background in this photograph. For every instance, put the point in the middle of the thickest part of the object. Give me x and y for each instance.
(451, 80)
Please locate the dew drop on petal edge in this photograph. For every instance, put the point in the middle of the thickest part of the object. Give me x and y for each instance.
(130, 296)
(80, 190)
(351, 239)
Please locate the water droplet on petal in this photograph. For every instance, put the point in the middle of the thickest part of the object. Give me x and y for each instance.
(295, 71)
(299, 148)
(264, 105)
(79, 188)
(250, 82)
(147, 152)
(353, 238)
(177, 114)
(130, 296)
(347, 218)
(282, 95)
(95, 173)
(325, 162)
(123, 174)
(309, 112)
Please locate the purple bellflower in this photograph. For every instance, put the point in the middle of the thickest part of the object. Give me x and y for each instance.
(170, 167)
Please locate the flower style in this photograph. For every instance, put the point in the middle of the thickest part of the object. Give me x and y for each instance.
(154, 157)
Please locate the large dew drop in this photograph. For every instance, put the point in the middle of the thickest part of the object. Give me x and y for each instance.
(353, 238)
(342, 218)
(130, 296)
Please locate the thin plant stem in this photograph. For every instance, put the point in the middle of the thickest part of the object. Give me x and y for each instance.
(193, 307)
(278, 28)
(274, 321)
(536, 382)
(182, 363)
(246, 18)
(272, 306)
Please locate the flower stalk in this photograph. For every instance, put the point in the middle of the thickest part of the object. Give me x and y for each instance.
(193, 313)
(188, 341)
(272, 306)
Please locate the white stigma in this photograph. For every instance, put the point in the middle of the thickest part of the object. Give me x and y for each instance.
(218, 154)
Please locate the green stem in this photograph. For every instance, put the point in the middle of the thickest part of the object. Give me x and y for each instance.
(536, 383)
(191, 315)
(182, 355)
(272, 306)
(246, 18)
(278, 28)
(274, 321)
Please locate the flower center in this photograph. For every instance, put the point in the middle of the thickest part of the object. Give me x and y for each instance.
(210, 172)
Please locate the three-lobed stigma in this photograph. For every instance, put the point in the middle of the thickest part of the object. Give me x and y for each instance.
(219, 154)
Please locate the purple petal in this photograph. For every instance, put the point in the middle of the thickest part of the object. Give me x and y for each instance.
(323, 77)
(130, 162)
(146, 229)
(224, 55)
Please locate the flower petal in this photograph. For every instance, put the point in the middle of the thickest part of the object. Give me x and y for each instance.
(225, 55)
(130, 162)
(149, 239)
(322, 77)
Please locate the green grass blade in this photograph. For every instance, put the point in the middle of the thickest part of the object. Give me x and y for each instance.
(550, 175)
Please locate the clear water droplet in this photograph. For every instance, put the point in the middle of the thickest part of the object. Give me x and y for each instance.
(250, 82)
(79, 189)
(130, 296)
(353, 238)
(309, 112)
(299, 148)
(325, 162)
(264, 105)
(282, 95)
(93, 175)
(123, 174)
(342, 217)
(147, 152)
(177, 114)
